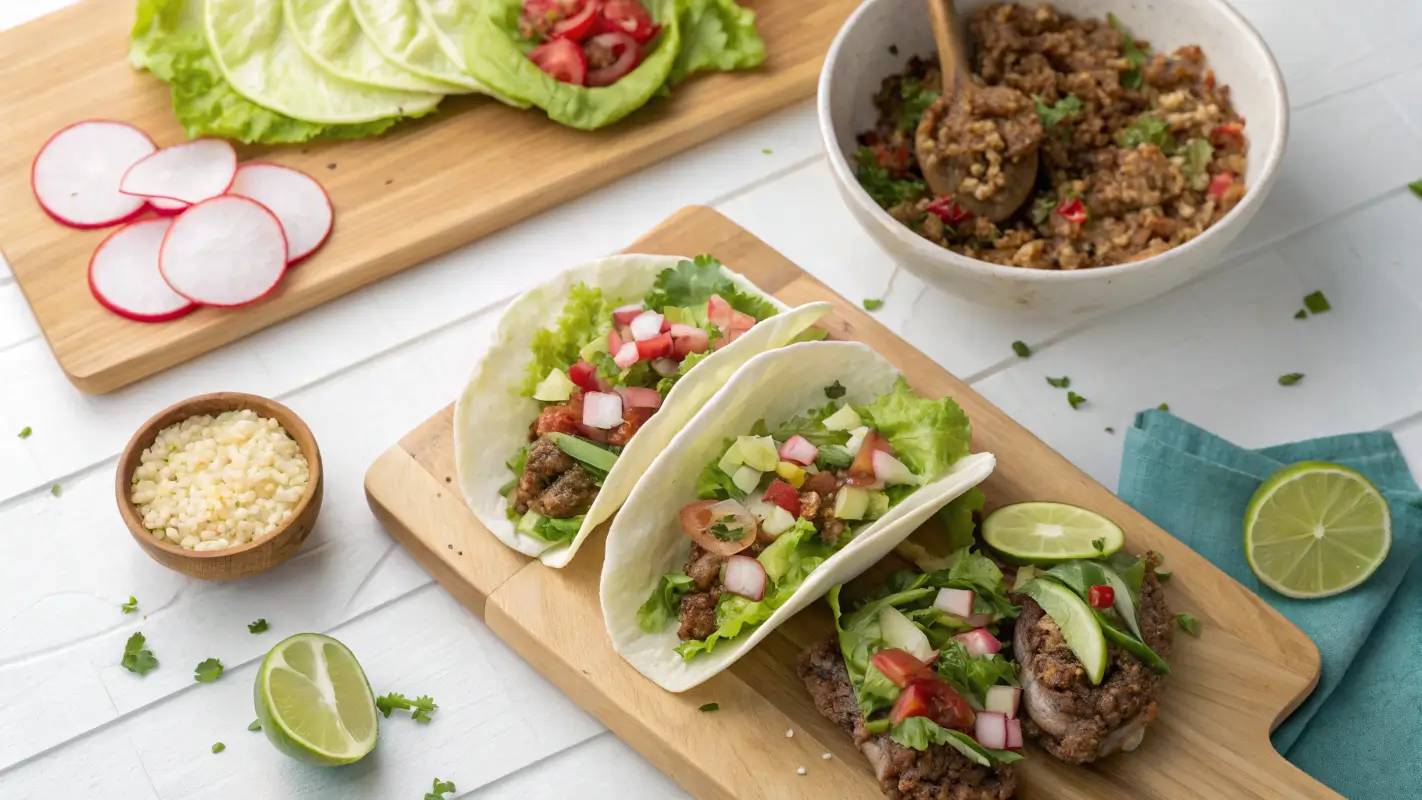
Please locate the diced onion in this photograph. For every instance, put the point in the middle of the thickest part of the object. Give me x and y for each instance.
(990, 729)
(746, 478)
(1003, 699)
(744, 576)
(602, 410)
(647, 325)
(798, 450)
(958, 602)
(1014, 733)
(626, 355)
(778, 522)
(665, 367)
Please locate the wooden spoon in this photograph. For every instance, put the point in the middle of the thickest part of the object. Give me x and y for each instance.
(944, 175)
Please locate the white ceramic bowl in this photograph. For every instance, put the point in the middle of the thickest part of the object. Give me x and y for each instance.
(859, 59)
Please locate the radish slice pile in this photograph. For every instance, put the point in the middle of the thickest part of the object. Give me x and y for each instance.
(227, 251)
(224, 235)
(188, 173)
(124, 276)
(298, 201)
(77, 173)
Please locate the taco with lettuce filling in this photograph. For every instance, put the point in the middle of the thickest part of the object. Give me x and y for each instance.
(812, 463)
(589, 376)
(915, 676)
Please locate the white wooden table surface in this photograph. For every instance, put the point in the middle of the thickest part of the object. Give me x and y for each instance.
(365, 369)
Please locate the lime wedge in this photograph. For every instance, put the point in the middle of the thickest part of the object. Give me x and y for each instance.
(314, 702)
(1076, 622)
(1315, 529)
(1045, 533)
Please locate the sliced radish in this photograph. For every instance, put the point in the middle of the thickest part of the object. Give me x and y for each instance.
(190, 172)
(227, 251)
(124, 276)
(798, 450)
(602, 410)
(990, 729)
(299, 202)
(640, 397)
(166, 207)
(625, 355)
(1003, 699)
(958, 602)
(1014, 734)
(978, 642)
(623, 315)
(77, 173)
(745, 576)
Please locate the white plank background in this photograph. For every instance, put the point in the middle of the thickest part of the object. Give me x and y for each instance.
(366, 368)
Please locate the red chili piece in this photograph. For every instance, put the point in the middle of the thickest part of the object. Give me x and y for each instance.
(1101, 596)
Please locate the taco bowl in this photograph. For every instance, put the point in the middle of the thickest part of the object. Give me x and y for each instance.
(717, 546)
(582, 387)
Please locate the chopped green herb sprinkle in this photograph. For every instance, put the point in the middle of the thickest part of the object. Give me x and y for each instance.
(255, 726)
(1290, 379)
(1021, 349)
(25, 432)
(1163, 407)
(835, 390)
(1111, 430)
(711, 707)
(1301, 313)
(1316, 303)
(1061, 383)
(131, 606)
(893, 49)
(56, 490)
(1099, 545)
(260, 626)
(440, 789)
(1416, 187)
(765, 150)
(873, 304)
(1075, 399)
(1188, 623)
(219, 747)
(137, 658)
(208, 670)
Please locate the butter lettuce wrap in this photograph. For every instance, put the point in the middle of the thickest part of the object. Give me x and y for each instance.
(811, 464)
(589, 376)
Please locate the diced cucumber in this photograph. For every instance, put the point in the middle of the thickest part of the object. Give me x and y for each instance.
(843, 419)
(792, 473)
(746, 478)
(898, 631)
(598, 345)
(556, 388)
(762, 509)
(778, 522)
(850, 502)
(731, 460)
(586, 452)
(878, 505)
(856, 440)
(759, 452)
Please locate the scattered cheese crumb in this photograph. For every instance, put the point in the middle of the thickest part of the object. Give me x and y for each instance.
(827, 756)
(789, 733)
(800, 771)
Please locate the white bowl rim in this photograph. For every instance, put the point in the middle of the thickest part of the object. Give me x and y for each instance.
(1274, 154)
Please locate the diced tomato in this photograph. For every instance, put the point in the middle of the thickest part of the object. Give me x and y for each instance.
(1072, 210)
(614, 341)
(584, 376)
(557, 419)
(741, 322)
(659, 346)
(894, 158)
(627, 313)
(727, 339)
(697, 517)
(1101, 596)
(594, 434)
(935, 699)
(577, 22)
(1228, 134)
(948, 210)
(666, 325)
(719, 312)
(784, 495)
(1220, 183)
(821, 483)
(629, 17)
(563, 60)
(610, 56)
(861, 471)
(901, 667)
(632, 420)
(687, 340)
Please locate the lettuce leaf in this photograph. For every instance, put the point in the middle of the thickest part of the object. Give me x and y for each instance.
(716, 35)
(665, 602)
(929, 436)
(919, 733)
(586, 316)
(860, 638)
(970, 676)
(714, 484)
(168, 40)
(787, 561)
(957, 518)
(558, 530)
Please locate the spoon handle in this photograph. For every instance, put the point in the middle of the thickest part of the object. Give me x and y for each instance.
(952, 59)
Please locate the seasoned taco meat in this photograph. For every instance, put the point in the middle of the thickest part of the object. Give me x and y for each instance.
(698, 615)
(704, 567)
(572, 494)
(1068, 716)
(938, 773)
(553, 484)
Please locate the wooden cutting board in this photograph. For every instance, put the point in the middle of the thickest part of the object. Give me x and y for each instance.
(1230, 687)
(424, 189)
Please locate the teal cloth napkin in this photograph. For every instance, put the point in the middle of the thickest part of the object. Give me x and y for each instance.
(1360, 732)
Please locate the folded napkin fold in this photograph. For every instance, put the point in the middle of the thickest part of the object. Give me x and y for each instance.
(1360, 732)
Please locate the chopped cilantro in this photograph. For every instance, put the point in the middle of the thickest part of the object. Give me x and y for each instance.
(1110, 430)
(1188, 623)
(260, 626)
(56, 490)
(835, 390)
(440, 789)
(219, 747)
(722, 530)
(1316, 303)
(1055, 114)
(1060, 383)
(1163, 407)
(25, 432)
(1290, 379)
(1301, 313)
(420, 708)
(1042, 208)
(873, 304)
(1134, 54)
(137, 658)
(1099, 545)
(256, 725)
(710, 707)
(917, 98)
(208, 671)
(1021, 349)
(1198, 153)
(1075, 399)
(1147, 129)
(131, 606)
(886, 190)
(691, 283)
(1415, 186)
(765, 151)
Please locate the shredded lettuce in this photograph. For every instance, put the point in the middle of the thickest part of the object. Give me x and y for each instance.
(920, 732)
(665, 602)
(957, 518)
(928, 436)
(714, 484)
(716, 35)
(558, 530)
(586, 316)
(970, 676)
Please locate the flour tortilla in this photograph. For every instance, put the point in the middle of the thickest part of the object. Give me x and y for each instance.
(491, 418)
(646, 539)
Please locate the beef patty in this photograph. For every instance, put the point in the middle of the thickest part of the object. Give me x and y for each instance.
(938, 773)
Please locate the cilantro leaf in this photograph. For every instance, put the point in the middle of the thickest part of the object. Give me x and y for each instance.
(1060, 111)
(691, 283)
(255, 725)
(136, 658)
(873, 304)
(1316, 303)
(423, 707)
(714, 484)
(1163, 407)
(208, 670)
(1042, 208)
(1301, 314)
(1134, 54)
(1099, 545)
(665, 601)
(1021, 349)
(1198, 154)
(1290, 379)
(917, 98)
(56, 490)
(219, 747)
(389, 702)
(835, 390)
(131, 606)
(1188, 623)
(885, 189)
(1060, 383)
(1147, 129)
(25, 432)
(440, 789)
(710, 707)
(260, 626)
(957, 518)
(1075, 399)
(972, 676)
(420, 707)
(1415, 186)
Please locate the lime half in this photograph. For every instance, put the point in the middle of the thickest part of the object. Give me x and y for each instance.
(1315, 529)
(1045, 533)
(314, 702)
(1076, 622)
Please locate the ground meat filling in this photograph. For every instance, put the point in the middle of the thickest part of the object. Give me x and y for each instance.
(1068, 716)
(698, 614)
(553, 484)
(985, 128)
(938, 773)
(1139, 154)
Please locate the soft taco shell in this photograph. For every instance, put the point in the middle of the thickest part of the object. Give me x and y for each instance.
(646, 539)
(491, 418)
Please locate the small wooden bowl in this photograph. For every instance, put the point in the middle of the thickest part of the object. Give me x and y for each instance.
(255, 556)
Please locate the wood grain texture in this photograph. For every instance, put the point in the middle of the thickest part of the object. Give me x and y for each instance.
(1229, 688)
(420, 191)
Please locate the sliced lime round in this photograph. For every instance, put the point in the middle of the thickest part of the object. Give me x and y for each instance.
(1315, 529)
(1076, 622)
(314, 701)
(1046, 533)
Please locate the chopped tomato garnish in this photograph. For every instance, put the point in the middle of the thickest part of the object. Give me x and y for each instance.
(584, 376)
(629, 17)
(614, 341)
(741, 322)
(935, 699)
(861, 471)
(1101, 596)
(556, 419)
(948, 210)
(1072, 210)
(659, 346)
(632, 420)
(894, 158)
(610, 56)
(563, 60)
(901, 668)
(1228, 134)
(1220, 183)
(719, 312)
(784, 495)
(577, 22)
